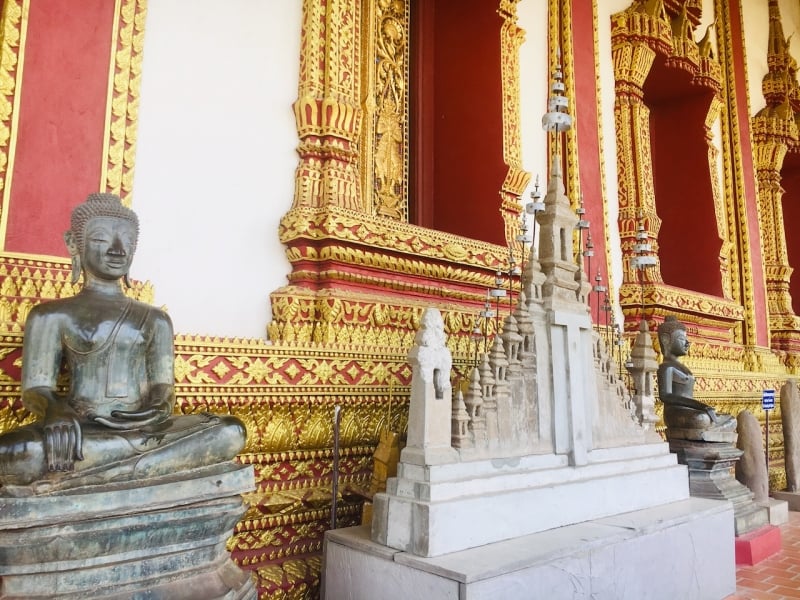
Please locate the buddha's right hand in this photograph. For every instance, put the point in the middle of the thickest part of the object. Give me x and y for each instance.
(62, 440)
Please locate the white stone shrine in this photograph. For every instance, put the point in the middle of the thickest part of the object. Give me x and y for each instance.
(540, 481)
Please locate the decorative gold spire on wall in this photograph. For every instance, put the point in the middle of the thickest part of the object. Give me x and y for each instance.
(775, 133)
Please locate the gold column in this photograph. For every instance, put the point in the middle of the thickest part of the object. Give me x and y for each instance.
(775, 132)
(516, 180)
(771, 136)
(727, 248)
(13, 25)
(122, 110)
(637, 203)
(327, 110)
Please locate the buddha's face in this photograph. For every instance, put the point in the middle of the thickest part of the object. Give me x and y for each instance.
(108, 243)
(680, 344)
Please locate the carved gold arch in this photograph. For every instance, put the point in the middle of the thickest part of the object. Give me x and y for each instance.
(639, 34)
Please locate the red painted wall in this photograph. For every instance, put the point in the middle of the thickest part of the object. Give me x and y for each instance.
(741, 118)
(59, 144)
(460, 108)
(689, 240)
(587, 128)
(790, 180)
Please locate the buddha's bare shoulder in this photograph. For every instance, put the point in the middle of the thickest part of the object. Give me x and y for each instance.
(54, 308)
(69, 308)
(155, 315)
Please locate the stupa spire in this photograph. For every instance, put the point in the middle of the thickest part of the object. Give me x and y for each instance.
(558, 221)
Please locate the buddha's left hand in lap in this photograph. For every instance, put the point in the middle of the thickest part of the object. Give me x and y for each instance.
(162, 399)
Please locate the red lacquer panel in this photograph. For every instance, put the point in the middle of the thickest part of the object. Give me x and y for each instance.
(59, 143)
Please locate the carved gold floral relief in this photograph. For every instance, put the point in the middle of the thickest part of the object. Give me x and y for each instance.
(13, 26)
(390, 93)
(123, 100)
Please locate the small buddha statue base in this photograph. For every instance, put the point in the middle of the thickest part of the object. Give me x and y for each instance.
(160, 539)
(710, 467)
(690, 424)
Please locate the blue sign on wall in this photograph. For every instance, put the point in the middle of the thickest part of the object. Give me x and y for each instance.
(768, 399)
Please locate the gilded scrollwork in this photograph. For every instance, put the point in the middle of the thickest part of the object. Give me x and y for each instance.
(516, 179)
(123, 102)
(13, 24)
(391, 100)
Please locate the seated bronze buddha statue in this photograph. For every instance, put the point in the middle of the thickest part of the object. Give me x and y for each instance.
(115, 420)
(683, 414)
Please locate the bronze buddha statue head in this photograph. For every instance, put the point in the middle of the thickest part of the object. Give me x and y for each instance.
(672, 337)
(102, 237)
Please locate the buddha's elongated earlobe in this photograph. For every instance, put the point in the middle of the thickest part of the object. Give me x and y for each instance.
(127, 281)
(72, 247)
(76, 268)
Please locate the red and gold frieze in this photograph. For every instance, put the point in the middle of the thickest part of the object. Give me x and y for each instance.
(24, 282)
(365, 280)
(285, 395)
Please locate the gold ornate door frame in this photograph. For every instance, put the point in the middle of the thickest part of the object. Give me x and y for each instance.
(347, 234)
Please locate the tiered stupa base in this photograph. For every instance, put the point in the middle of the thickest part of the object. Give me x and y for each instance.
(157, 540)
(711, 476)
(440, 509)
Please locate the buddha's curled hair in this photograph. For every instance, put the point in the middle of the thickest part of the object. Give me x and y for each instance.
(100, 205)
(670, 325)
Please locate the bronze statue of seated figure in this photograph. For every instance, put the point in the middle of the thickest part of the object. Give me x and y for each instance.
(684, 416)
(114, 422)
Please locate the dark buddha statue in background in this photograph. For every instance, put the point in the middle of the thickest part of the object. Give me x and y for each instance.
(114, 422)
(684, 416)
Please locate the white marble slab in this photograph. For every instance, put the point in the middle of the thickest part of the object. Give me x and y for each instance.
(679, 550)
